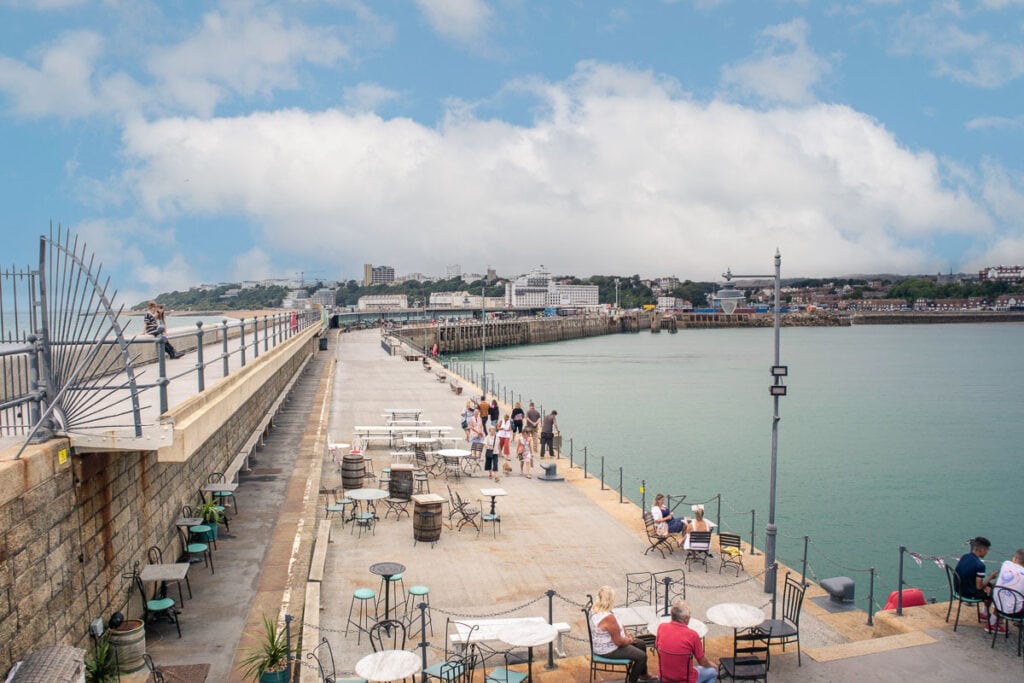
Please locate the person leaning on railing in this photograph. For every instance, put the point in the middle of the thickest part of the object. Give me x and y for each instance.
(155, 324)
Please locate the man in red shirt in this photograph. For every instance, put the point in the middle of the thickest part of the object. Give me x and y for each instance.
(677, 638)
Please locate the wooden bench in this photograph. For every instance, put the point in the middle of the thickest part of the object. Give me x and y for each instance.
(413, 356)
(490, 629)
(456, 388)
(441, 377)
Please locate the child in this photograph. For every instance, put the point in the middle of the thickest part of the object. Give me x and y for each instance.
(491, 454)
(525, 456)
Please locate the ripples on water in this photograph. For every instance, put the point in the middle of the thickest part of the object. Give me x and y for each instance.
(890, 435)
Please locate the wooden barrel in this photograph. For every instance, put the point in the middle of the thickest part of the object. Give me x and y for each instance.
(400, 485)
(353, 471)
(426, 520)
(129, 642)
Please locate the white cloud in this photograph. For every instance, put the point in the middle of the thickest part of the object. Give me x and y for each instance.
(254, 264)
(465, 21)
(241, 53)
(620, 175)
(785, 69)
(368, 97)
(983, 122)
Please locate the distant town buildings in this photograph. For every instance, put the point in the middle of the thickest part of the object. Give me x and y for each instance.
(377, 275)
(453, 271)
(382, 302)
(538, 289)
(1002, 273)
(325, 297)
(297, 298)
(672, 303)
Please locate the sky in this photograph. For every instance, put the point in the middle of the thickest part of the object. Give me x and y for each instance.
(190, 142)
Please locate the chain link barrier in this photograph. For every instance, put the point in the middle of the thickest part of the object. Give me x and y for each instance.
(488, 614)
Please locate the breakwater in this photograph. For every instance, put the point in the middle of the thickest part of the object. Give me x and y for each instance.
(935, 318)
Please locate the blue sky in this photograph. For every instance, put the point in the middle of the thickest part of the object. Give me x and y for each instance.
(198, 142)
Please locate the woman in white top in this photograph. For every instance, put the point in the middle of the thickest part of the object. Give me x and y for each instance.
(611, 640)
(504, 434)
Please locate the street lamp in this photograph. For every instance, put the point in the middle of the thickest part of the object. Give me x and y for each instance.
(483, 336)
(729, 297)
(616, 294)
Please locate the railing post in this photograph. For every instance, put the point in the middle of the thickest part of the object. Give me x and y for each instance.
(752, 522)
(570, 453)
(899, 585)
(255, 337)
(620, 485)
(584, 462)
(224, 343)
(266, 335)
(721, 525)
(276, 318)
(803, 572)
(602, 473)
(550, 666)
(200, 365)
(871, 597)
(643, 495)
(423, 640)
(161, 365)
(668, 582)
(241, 342)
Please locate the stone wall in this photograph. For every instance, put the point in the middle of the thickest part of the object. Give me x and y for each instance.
(69, 529)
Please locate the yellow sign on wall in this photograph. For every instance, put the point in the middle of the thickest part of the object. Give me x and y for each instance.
(62, 456)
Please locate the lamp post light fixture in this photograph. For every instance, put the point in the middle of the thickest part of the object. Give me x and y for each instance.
(729, 297)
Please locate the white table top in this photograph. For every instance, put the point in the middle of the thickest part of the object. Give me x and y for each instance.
(403, 410)
(427, 498)
(735, 615)
(175, 571)
(454, 452)
(490, 629)
(635, 615)
(221, 486)
(527, 633)
(494, 492)
(369, 494)
(388, 665)
(188, 521)
(338, 445)
(696, 624)
(414, 440)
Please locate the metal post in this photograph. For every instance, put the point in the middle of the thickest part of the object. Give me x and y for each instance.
(620, 485)
(266, 335)
(483, 337)
(775, 569)
(224, 341)
(719, 513)
(288, 639)
(277, 325)
(771, 530)
(899, 585)
(752, 523)
(570, 453)
(871, 596)
(200, 365)
(584, 462)
(602, 473)
(423, 640)
(241, 341)
(161, 364)
(255, 337)
(803, 572)
(550, 666)
(643, 495)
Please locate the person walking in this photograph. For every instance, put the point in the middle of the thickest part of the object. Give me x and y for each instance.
(531, 426)
(504, 434)
(517, 418)
(467, 412)
(494, 412)
(491, 454)
(525, 455)
(547, 433)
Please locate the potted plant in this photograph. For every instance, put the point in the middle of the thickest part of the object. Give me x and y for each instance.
(209, 511)
(268, 661)
(100, 665)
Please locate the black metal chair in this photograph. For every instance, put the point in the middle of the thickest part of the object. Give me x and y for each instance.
(155, 674)
(1008, 606)
(669, 663)
(699, 548)
(659, 543)
(787, 629)
(600, 663)
(192, 548)
(639, 588)
(387, 635)
(499, 674)
(156, 556)
(466, 515)
(155, 607)
(457, 666)
(953, 579)
(750, 659)
(324, 660)
(676, 585)
(731, 552)
(222, 496)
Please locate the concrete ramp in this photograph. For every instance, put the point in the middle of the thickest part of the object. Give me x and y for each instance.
(871, 646)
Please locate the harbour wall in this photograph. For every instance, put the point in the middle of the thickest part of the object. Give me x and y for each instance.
(73, 523)
(936, 318)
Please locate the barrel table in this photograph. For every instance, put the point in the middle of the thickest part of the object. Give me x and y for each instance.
(353, 471)
(426, 517)
(401, 480)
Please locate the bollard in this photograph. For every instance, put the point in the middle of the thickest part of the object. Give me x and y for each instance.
(288, 639)
(668, 582)
(551, 620)
(899, 585)
(718, 519)
(570, 454)
(871, 597)
(201, 375)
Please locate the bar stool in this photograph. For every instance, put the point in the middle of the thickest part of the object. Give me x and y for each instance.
(397, 582)
(362, 622)
(384, 478)
(422, 481)
(416, 595)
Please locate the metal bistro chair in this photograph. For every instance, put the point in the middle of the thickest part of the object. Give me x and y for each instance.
(365, 519)
(676, 585)
(786, 629)
(600, 663)
(222, 496)
(954, 594)
(387, 635)
(750, 658)
(639, 588)
(457, 666)
(155, 607)
(731, 552)
(659, 543)
(467, 515)
(700, 548)
(1007, 605)
(156, 556)
(192, 548)
(487, 518)
(669, 662)
(337, 504)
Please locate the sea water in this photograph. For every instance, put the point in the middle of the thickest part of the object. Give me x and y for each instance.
(890, 435)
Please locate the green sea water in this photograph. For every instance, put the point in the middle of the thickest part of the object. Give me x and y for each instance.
(890, 435)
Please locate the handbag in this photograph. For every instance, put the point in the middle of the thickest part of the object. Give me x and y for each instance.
(465, 423)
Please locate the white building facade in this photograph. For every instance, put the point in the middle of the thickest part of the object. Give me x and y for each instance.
(382, 302)
(537, 289)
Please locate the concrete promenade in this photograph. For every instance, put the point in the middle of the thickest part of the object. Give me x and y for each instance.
(568, 537)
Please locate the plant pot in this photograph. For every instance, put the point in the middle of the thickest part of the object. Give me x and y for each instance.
(275, 676)
(129, 644)
(211, 535)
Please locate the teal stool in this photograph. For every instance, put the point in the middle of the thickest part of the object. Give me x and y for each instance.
(362, 623)
(416, 595)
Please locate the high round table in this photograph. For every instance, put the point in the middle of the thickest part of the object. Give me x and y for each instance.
(528, 634)
(387, 570)
(388, 665)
